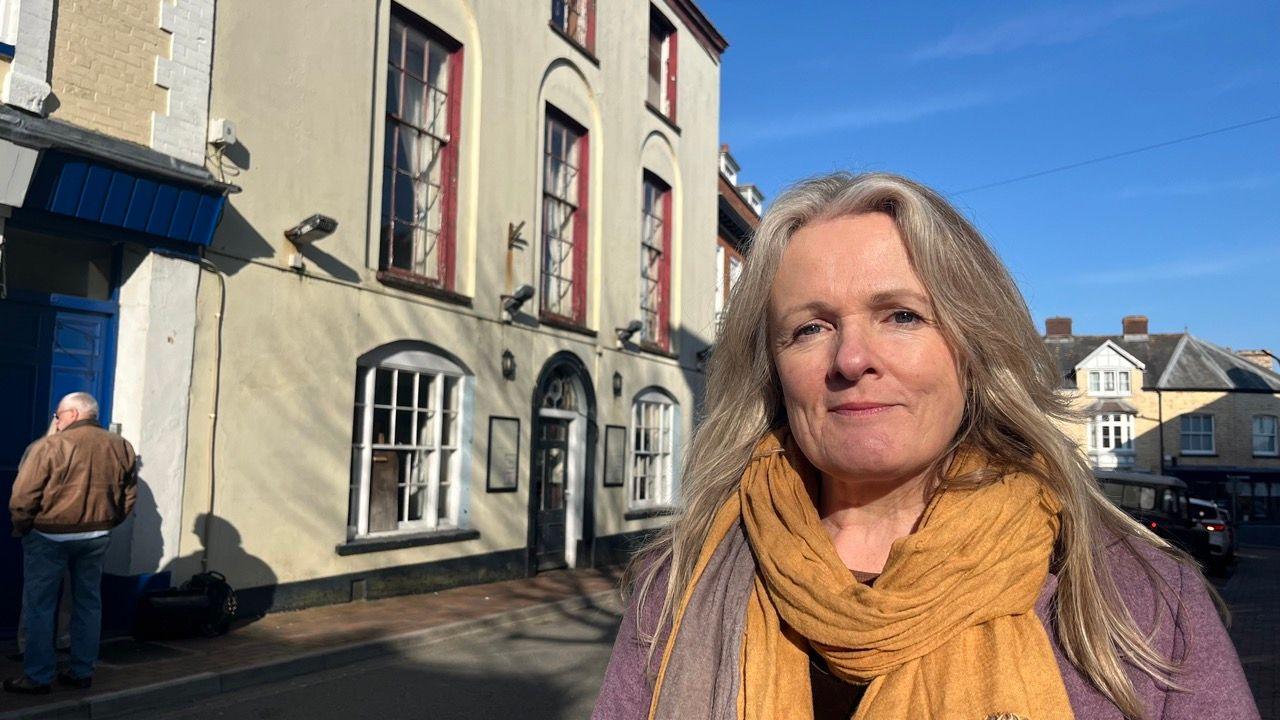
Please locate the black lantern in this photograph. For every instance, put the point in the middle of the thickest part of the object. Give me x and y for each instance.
(617, 384)
(508, 365)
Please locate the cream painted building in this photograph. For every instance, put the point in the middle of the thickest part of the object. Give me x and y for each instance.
(467, 285)
(1175, 404)
(105, 205)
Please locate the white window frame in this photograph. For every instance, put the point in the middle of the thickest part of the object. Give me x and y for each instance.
(1111, 439)
(660, 490)
(1185, 433)
(1272, 435)
(415, 366)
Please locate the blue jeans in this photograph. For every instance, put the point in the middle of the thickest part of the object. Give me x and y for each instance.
(43, 563)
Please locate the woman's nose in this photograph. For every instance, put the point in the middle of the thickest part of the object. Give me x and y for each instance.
(855, 355)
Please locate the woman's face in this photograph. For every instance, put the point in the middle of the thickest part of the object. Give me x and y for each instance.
(872, 391)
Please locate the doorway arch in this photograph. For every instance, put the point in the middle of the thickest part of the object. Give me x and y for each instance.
(561, 466)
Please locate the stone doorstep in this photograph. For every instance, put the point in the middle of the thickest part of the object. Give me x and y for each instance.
(208, 684)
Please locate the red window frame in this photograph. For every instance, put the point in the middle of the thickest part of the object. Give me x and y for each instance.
(581, 220)
(663, 31)
(446, 250)
(583, 9)
(663, 310)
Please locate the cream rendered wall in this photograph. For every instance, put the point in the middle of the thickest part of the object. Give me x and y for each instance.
(310, 123)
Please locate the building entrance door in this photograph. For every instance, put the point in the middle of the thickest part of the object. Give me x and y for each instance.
(550, 480)
(560, 499)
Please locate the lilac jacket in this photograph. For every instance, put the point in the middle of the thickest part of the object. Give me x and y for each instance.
(1216, 687)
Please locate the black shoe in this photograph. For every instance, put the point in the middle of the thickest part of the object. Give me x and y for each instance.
(80, 683)
(25, 686)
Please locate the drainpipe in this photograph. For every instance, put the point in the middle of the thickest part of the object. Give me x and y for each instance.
(1160, 421)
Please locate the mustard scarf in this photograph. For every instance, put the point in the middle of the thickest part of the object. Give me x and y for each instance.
(947, 631)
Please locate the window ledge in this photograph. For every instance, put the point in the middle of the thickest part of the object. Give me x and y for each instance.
(1266, 455)
(649, 513)
(653, 349)
(407, 540)
(663, 117)
(576, 45)
(413, 283)
(1198, 453)
(556, 321)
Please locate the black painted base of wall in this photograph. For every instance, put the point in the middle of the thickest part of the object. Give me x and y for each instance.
(383, 583)
(617, 549)
(421, 578)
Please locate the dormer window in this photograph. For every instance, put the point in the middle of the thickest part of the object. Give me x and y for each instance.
(1109, 382)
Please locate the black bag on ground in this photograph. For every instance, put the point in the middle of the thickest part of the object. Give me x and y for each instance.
(204, 606)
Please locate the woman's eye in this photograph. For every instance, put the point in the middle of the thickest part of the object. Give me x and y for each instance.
(905, 317)
(810, 329)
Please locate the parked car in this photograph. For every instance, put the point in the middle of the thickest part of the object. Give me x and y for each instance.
(1222, 534)
(1160, 503)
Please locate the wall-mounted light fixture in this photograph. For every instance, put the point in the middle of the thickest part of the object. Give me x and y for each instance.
(617, 384)
(316, 227)
(508, 365)
(511, 303)
(625, 333)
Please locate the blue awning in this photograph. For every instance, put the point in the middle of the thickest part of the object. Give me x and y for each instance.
(86, 189)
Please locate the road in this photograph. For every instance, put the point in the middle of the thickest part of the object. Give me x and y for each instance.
(548, 669)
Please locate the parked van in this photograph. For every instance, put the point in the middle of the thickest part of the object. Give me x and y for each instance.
(1160, 503)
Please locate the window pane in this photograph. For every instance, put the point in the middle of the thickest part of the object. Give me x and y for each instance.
(1093, 381)
(414, 52)
(413, 102)
(393, 92)
(438, 68)
(382, 386)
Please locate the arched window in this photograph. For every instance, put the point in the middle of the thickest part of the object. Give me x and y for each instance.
(655, 422)
(409, 438)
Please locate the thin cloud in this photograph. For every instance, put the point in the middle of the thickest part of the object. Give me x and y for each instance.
(1187, 269)
(861, 116)
(1059, 26)
(1195, 188)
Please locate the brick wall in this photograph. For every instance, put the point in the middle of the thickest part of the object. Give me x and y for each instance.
(104, 64)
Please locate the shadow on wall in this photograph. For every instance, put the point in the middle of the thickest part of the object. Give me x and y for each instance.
(253, 580)
(238, 238)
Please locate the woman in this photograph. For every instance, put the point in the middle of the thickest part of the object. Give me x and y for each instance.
(883, 518)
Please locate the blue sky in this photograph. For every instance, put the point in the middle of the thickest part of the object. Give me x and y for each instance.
(959, 95)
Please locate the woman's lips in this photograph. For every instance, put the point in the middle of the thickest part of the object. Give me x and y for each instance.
(861, 409)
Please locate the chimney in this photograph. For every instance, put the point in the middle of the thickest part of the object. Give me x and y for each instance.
(1135, 327)
(1261, 358)
(1057, 327)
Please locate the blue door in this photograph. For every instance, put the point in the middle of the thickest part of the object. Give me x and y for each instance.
(50, 345)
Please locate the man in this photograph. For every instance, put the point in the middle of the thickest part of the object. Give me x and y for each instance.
(72, 488)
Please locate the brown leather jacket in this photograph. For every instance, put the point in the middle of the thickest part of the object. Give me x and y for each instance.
(77, 480)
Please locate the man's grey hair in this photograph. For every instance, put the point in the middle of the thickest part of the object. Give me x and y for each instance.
(82, 401)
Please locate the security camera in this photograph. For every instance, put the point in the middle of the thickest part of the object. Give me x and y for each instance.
(511, 303)
(312, 229)
(625, 333)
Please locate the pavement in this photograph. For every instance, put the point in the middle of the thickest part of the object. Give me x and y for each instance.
(133, 676)
(549, 634)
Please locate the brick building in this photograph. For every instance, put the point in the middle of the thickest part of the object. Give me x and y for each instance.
(105, 205)
(1179, 405)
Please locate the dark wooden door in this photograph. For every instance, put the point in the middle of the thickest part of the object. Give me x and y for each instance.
(550, 478)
